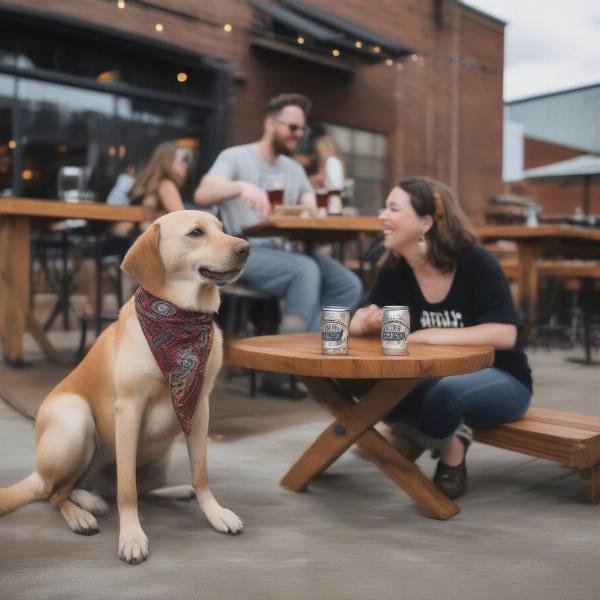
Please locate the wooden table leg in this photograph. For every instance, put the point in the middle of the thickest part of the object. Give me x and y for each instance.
(14, 286)
(354, 424)
(528, 252)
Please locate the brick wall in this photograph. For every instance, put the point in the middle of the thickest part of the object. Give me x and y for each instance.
(443, 117)
(558, 197)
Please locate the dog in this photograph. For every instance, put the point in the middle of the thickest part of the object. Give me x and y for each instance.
(114, 409)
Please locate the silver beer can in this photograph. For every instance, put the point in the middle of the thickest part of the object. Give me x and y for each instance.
(335, 321)
(394, 330)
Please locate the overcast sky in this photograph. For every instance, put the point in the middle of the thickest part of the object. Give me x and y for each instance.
(550, 45)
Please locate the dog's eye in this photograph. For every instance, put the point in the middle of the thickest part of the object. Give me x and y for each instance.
(196, 232)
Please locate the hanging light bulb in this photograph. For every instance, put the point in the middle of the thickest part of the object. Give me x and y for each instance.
(335, 52)
(227, 28)
(300, 40)
(159, 27)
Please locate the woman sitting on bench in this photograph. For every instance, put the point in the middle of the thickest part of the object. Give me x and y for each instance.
(457, 294)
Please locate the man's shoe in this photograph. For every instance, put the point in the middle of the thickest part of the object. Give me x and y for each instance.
(284, 386)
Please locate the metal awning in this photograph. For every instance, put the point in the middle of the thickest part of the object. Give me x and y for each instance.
(586, 164)
(352, 30)
(299, 29)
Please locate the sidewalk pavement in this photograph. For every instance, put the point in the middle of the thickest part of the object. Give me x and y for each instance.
(524, 529)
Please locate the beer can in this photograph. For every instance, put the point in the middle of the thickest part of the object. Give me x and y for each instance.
(335, 321)
(394, 330)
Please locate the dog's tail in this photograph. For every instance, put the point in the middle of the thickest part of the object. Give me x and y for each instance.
(27, 490)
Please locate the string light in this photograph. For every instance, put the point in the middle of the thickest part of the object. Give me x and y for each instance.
(468, 64)
(12, 144)
(182, 77)
(389, 62)
(27, 174)
(335, 52)
(300, 39)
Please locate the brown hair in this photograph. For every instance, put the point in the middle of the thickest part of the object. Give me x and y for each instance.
(278, 103)
(159, 167)
(451, 233)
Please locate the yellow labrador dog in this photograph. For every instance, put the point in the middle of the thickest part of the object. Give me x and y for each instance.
(115, 408)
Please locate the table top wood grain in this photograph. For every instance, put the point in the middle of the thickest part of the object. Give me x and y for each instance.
(300, 354)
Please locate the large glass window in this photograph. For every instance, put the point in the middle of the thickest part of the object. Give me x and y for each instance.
(7, 142)
(365, 158)
(47, 123)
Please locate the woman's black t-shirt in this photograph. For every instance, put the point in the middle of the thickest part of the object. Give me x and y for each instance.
(479, 294)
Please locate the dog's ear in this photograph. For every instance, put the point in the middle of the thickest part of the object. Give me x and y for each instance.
(142, 261)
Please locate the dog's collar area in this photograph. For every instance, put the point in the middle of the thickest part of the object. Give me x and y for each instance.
(164, 309)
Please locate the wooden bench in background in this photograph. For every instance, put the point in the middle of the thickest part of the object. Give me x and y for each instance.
(571, 439)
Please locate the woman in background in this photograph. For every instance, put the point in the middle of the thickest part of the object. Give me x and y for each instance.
(330, 168)
(457, 294)
(158, 186)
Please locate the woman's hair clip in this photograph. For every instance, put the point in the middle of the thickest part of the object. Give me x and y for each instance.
(440, 211)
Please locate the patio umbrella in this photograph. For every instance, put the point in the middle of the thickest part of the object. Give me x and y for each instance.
(584, 167)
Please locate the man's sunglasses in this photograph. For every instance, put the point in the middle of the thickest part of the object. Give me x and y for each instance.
(299, 129)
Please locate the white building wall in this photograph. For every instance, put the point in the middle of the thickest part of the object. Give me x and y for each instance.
(513, 151)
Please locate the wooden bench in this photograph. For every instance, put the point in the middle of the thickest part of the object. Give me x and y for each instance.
(571, 439)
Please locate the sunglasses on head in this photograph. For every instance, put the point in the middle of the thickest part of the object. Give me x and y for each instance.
(300, 129)
(183, 156)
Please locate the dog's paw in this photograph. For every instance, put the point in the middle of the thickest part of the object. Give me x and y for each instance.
(80, 521)
(225, 521)
(134, 547)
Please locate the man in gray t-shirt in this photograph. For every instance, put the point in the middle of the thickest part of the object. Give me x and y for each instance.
(235, 184)
(246, 164)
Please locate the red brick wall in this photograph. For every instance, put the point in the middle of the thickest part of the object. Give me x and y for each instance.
(538, 153)
(443, 117)
(558, 197)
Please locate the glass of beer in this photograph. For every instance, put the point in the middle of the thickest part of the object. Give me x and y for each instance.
(322, 196)
(275, 184)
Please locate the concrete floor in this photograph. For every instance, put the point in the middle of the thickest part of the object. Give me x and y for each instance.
(524, 530)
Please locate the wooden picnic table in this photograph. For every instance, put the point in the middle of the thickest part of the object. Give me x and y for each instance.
(533, 243)
(17, 218)
(338, 383)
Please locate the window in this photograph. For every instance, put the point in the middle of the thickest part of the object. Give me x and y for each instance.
(99, 106)
(365, 158)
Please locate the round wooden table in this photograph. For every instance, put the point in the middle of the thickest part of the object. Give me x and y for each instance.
(360, 389)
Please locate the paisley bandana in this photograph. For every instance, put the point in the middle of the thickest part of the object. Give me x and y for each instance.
(180, 341)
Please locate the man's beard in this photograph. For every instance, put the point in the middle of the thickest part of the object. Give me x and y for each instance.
(279, 147)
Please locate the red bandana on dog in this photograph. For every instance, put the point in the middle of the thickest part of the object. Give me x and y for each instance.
(180, 341)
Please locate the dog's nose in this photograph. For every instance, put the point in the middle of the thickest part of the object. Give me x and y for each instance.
(241, 248)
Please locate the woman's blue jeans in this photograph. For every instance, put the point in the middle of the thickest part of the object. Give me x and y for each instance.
(305, 283)
(433, 411)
